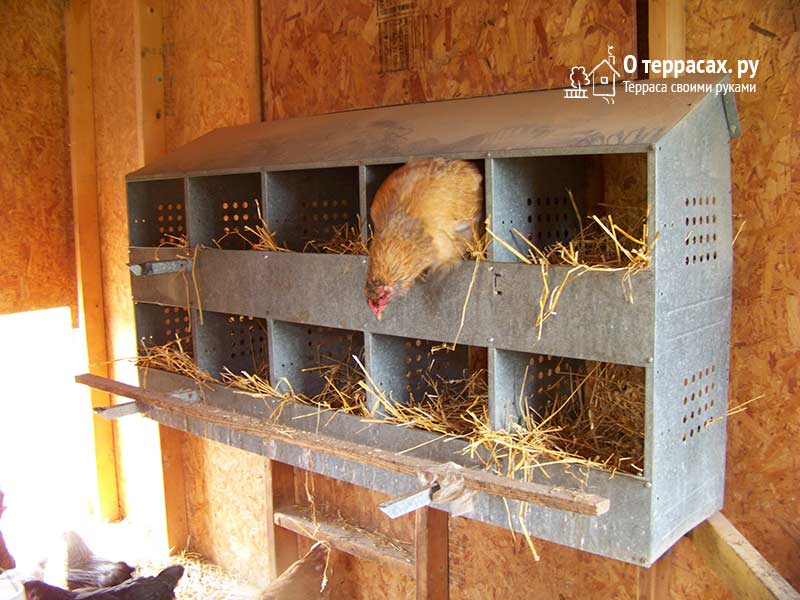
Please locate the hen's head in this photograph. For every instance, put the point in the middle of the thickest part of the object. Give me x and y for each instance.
(378, 296)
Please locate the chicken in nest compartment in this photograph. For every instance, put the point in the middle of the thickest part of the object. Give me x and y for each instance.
(424, 216)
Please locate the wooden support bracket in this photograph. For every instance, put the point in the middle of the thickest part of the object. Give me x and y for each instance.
(667, 29)
(653, 583)
(737, 563)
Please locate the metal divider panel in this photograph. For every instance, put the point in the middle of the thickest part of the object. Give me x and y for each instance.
(530, 195)
(299, 349)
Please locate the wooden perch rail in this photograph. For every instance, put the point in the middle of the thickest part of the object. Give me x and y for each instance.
(534, 493)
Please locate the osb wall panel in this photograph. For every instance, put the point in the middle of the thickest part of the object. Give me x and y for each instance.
(485, 562)
(37, 269)
(211, 67)
(226, 502)
(118, 151)
(330, 55)
(763, 476)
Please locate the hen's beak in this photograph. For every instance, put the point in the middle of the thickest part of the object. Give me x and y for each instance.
(378, 316)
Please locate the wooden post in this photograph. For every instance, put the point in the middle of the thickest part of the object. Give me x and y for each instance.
(252, 28)
(667, 29)
(150, 80)
(737, 563)
(653, 583)
(152, 145)
(87, 242)
(280, 493)
(432, 544)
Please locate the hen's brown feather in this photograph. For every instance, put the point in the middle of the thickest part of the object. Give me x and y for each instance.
(423, 217)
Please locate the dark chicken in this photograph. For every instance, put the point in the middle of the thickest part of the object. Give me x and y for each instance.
(160, 587)
(424, 215)
(84, 569)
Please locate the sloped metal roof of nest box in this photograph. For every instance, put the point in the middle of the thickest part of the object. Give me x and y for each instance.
(542, 122)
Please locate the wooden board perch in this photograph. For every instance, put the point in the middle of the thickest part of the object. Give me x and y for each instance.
(355, 541)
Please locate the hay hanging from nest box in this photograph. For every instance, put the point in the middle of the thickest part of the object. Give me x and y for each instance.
(258, 237)
(602, 245)
(597, 422)
(173, 358)
(346, 239)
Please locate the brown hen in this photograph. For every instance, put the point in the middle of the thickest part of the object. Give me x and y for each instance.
(303, 579)
(424, 216)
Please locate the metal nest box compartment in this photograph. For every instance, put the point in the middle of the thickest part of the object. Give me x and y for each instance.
(669, 152)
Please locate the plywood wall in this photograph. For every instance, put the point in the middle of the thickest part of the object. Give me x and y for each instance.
(209, 82)
(332, 55)
(211, 74)
(37, 261)
(226, 500)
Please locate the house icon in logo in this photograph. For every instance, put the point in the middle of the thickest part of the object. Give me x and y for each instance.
(604, 74)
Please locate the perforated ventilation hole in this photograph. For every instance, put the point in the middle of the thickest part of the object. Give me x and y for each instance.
(700, 238)
(330, 343)
(159, 325)
(543, 374)
(321, 216)
(236, 216)
(247, 338)
(176, 322)
(550, 219)
(422, 364)
(169, 220)
(698, 402)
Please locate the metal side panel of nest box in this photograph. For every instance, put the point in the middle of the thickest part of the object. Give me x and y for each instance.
(694, 272)
(544, 122)
(622, 533)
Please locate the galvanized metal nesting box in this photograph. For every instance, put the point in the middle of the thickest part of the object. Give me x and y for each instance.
(308, 175)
